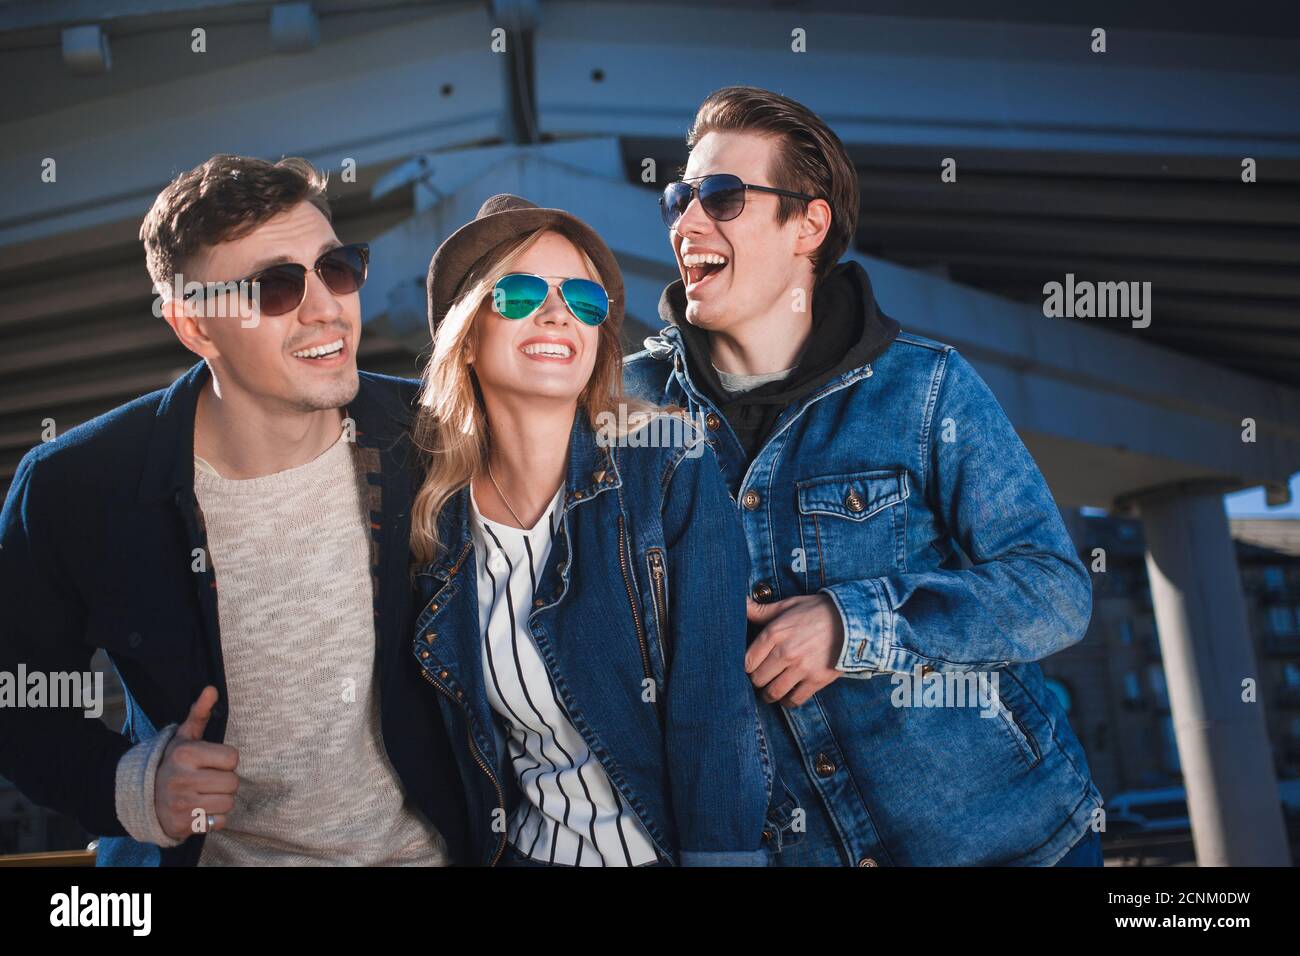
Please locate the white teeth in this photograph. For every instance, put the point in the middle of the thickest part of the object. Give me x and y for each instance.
(319, 350)
(547, 348)
(704, 258)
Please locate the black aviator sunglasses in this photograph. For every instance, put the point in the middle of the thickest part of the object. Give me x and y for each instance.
(722, 196)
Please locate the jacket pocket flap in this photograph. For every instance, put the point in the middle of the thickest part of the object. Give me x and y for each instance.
(854, 496)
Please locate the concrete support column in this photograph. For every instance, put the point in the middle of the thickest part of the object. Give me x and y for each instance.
(1222, 740)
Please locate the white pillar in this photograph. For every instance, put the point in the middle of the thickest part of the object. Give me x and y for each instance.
(1222, 740)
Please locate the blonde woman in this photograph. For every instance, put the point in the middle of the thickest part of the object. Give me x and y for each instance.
(580, 590)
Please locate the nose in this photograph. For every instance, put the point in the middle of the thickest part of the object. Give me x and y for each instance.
(319, 304)
(554, 311)
(694, 220)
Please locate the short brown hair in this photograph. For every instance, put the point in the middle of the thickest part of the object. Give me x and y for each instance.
(810, 158)
(223, 199)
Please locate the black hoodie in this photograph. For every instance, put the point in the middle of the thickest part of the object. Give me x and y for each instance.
(848, 331)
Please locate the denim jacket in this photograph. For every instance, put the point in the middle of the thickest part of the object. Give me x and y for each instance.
(871, 490)
(639, 618)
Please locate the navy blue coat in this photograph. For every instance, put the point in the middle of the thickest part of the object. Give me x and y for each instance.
(97, 539)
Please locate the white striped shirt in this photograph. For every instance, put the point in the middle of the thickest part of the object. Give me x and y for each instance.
(570, 813)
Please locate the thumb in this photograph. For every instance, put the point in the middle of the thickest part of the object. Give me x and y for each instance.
(762, 613)
(197, 719)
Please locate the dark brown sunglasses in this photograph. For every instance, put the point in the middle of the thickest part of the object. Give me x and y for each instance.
(281, 288)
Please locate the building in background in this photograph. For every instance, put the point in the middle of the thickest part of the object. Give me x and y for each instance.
(1113, 682)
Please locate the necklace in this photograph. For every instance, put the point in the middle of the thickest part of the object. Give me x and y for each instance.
(503, 494)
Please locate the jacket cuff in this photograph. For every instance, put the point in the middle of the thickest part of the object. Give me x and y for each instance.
(868, 620)
(134, 794)
(725, 857)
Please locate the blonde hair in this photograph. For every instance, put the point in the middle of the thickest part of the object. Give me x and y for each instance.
(451, 427)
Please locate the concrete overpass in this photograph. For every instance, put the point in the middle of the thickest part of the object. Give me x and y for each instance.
(1113, 167)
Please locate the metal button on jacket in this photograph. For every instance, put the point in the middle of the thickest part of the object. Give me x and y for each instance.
(762, 591)
(824, 765)
(750, 499)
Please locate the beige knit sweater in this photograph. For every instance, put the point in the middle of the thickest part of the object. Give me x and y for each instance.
(292, 556)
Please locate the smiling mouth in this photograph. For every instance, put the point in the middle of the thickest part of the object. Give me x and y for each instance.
(547, 350)
(320, 352)
(701, 267)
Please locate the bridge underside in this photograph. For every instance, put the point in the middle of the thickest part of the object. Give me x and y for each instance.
(1122, 166)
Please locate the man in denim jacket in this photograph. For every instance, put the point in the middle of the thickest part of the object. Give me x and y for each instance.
(900, 534)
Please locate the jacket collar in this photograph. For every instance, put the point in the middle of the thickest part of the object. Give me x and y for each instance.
(670, 346)
(844, 305)
(592, 469)
(380, 417)
(592, 465)
(169, 460)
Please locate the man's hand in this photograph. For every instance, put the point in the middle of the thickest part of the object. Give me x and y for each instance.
(794, 655)
(195, 774)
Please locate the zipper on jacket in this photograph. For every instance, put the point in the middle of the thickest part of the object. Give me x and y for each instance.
(636, 615)
(645, 664)
(478, 759)
(655, 559)
(460, 559)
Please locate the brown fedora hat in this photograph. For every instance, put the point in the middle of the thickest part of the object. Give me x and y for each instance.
(502, 218)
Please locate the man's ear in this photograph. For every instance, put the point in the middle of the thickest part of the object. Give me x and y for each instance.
(184, 321)
(814, 225)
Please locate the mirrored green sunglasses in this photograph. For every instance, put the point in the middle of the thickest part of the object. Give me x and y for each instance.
(520, 294)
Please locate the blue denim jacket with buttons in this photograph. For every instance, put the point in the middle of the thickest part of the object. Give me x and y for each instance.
(639, 617)
(870, 490)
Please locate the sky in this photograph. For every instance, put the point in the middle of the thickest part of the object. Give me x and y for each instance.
(1246, 504)
(1250, 503)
